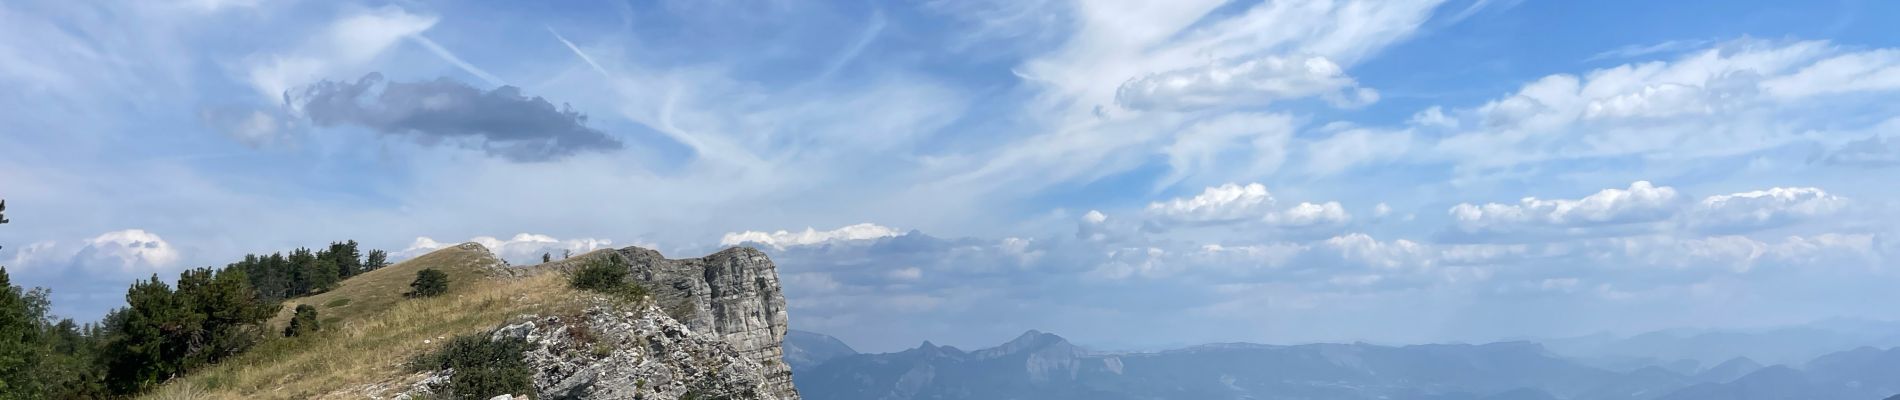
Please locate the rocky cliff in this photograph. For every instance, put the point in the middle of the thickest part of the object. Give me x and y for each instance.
(609, 353)
(733, 294)
(710, 327)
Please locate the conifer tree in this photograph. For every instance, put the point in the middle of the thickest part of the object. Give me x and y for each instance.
(377, 259)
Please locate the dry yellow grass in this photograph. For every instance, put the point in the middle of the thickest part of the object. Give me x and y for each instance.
(363, 352)
(375, 291)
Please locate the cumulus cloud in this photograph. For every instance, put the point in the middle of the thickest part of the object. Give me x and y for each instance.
(132, 251)
(1363, 248)
(1641, 202)
(1763, 208)
(502, 121)
(1309, 214)
(522, 249)
(1241, 83)
(810, 236)
(1225, 203)
(129, 253)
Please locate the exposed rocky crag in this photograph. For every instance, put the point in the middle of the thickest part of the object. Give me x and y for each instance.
(733, 294)
(617, 354)
(714, 326)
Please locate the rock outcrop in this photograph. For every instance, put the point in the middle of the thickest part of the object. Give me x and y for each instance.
(710, 328)
(643, 354)
(733, 295)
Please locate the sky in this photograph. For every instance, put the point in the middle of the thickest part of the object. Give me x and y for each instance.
(1127, 174)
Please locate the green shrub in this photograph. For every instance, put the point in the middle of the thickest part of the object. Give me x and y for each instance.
(430, 282)
(303, 322)
(608, 277)
(483, 367)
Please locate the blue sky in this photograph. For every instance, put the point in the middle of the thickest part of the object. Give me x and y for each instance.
(1126, 174)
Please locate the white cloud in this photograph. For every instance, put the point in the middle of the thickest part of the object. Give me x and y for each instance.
(1764, 208)
(1144, 262)
(117, 254)
(136, 249)
(1381, 210)
(1129, 78)
(522, 249)
(1862, 71)
(1641, 202)
(1396, 254)
(810, 236)
(1741, 254)
(1736, 97)
(1634, 50)
(1433, 117)
(1243, 83)
(341, 51)
(1309, 214)
(1270, 255)
(1225, 203)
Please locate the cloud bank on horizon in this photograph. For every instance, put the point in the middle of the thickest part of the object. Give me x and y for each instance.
(1124, 173)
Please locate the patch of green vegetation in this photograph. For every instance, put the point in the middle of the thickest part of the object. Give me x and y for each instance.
(303, 322)
(483, 367)
(606, 276)
(430, 282)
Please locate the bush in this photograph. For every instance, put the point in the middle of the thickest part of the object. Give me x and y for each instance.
(483, 367)
(429, 282)
(604, 276)
(303, 322)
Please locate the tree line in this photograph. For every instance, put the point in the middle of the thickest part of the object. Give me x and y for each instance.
(164, 330)
(278, 276)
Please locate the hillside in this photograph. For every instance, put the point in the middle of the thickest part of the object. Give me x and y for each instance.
(581, 343)
(371, 330)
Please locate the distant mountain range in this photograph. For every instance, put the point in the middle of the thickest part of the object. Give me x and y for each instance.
(1684, 349)
(1040, 365)
(804, 350)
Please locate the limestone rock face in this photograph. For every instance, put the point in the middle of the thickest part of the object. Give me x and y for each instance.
(607, 353)
(732, 295)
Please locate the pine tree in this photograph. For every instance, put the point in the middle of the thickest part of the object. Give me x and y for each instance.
(163, 333)
(147, 337)
(19, 339)
(347, 259)
(429, 282)
(3, 215)
(545, 257)
(377, 260)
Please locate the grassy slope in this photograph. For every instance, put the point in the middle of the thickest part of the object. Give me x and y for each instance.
(378, 290)
(366, 339)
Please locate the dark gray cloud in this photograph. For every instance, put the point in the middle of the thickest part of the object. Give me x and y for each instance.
(502, 121)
